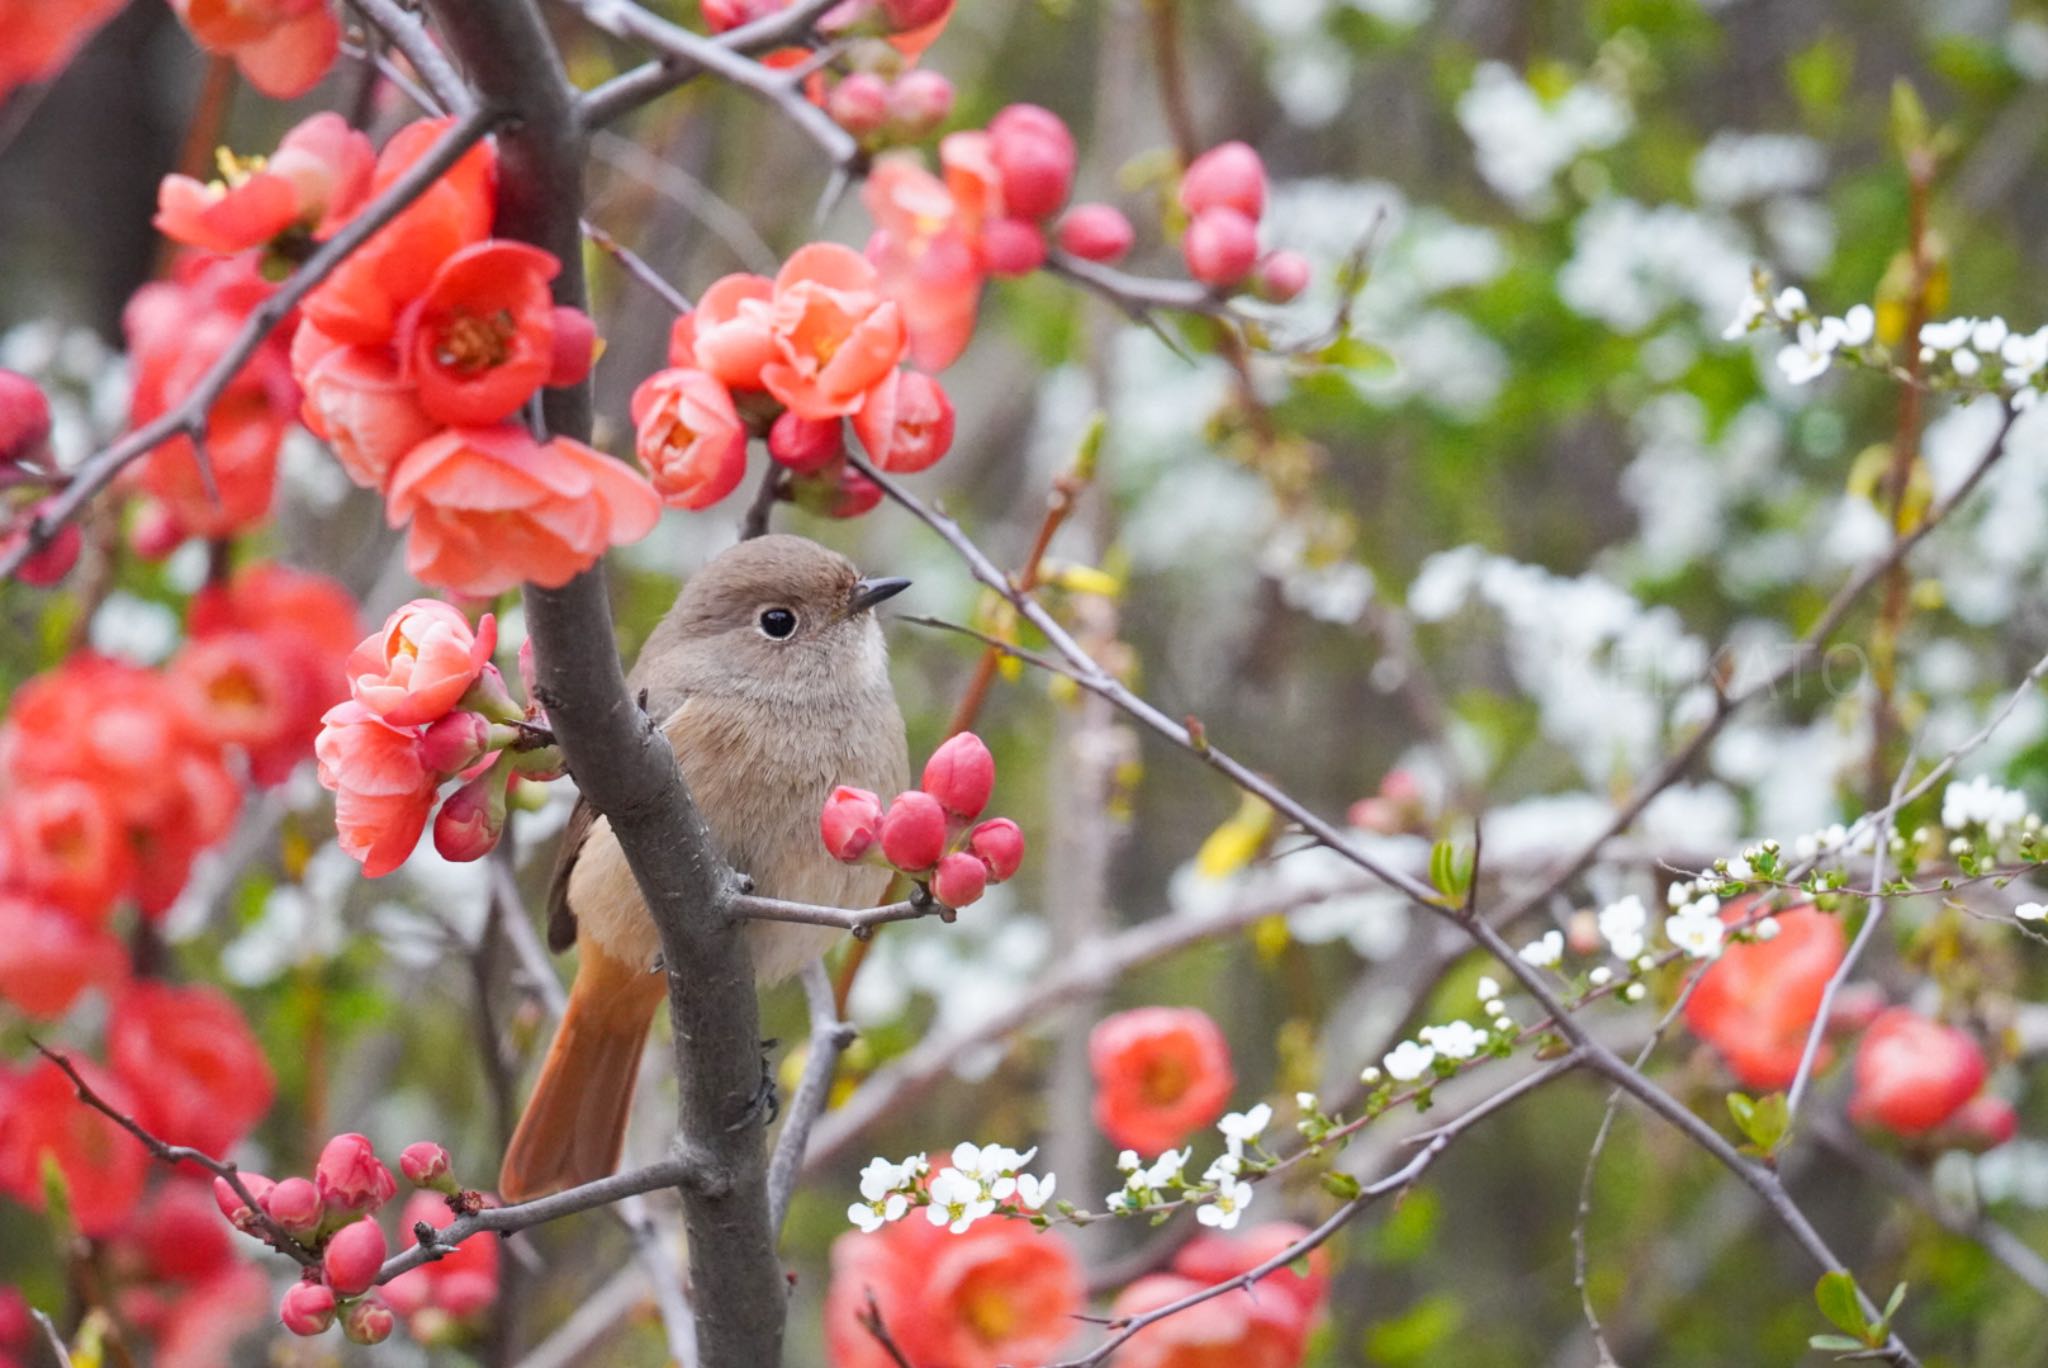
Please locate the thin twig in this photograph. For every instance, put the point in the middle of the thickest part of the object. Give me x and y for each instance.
(407, 32)
(828, 1041)
(636, 266)
(603, 104)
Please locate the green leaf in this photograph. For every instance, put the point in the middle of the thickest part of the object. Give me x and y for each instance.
(1355, 354)
(1450, 870)
(1838, 1342)
(1762, 1120)
(1835, 1294)
(1894, 1302)
(1909, 118)
(1340, 1185)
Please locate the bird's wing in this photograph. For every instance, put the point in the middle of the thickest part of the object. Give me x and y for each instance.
(561, 916)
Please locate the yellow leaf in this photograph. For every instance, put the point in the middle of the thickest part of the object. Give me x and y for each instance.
(1270, 937)
(1237, 842)
(1080, 579)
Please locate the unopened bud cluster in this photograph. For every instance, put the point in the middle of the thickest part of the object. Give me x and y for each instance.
(929, 832)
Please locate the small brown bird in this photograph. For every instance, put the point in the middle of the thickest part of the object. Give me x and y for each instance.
(771, 681)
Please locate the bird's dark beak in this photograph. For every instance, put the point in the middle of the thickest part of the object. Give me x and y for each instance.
(869, 592)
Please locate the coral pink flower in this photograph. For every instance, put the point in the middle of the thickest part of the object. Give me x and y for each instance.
(362, 300)
(1161, 1073)
(24, 420)
(177, 1236)
(961, 774)
(906, 423)
(836, 335)
(69, 846)
(1229, 176)
(353, 1256)
(305, 625)
(1034, 156)
(806, 445)
(1000, 1293)
(689, 436)
(359, 402)
(927, 253)
(1214, 1257)
(283, 47)
(850, 823)
(48, 957)
(192, 1062)
(419, 665)
(383, 790)
(461, 1285)
(914, 831)
(959, 880)
(1912, 1074)
(491, 507)
(1096, 232)
(999, 844)
(350, 1177)
(1221, 247)
(481, 339)
(307, 1308)
(104, 1169)
(1234, 1330)
(232, 688)
(38, 37)
(177, 329)
(1756, 1003)
(731, 332)
(317, 177)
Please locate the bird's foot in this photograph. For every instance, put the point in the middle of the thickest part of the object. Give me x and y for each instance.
(766, 1103)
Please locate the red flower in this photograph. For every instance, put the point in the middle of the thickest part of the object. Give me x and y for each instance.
(1161, 1073)
(850, 823)
(1230, 176)
(1221, 247)
(1912, 1074)
(68, 846)
(1755, 1005)
(192, 1062)
(1096, 232)
(103, 1167)
(1234, 1331)
(233, 690)
(362, 300)
(315, 180)
(1213, 1258)
(960, 879)
(836, 335)
(304, 624)
(481, 339)
(37, 37)
(177, 329)
(177, 1236)
(416, 669)
(48, 957)
(461, 1285)
(24, 420)
(961, 774)
(359, 403)
(491, 507)
(914, 831)
(689, 436)
(999, 844)
(926, 248)
(350, 1177)
(283, 47)
(730, 334)
(1034, 155)
(1000, 1293)
(383, 789)
(906, 423)
(205, 1321)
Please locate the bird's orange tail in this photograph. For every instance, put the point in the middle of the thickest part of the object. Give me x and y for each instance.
(574, 1126)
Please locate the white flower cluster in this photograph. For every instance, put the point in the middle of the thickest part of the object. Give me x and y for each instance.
(1694, 925)
(1980, 803)
(1522, 141)
(1970, 345)
(1622, 925)
(1221, 1194)
(1456, 1041)
(1815, 339)
(984, 1180)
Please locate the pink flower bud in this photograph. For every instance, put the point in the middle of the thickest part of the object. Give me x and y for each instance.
(959, 879)
(850, 823)
(859, 103)
(573, 349)
(1982, 1123)
(425, 1164)
(350, 1177)
(720, 15)
(1034, 157)
(231, 1204)
(1281, 276)
(1000, 844)
(806, 444)
(456, 742)
(354, 1254)
(307, 1309)
(295, 1205)
(1228, 176)
(24, 420)
(1221, 247)
(156, 533)
(1096, 232)
(911, 14)
(836, 492)
(471, 821)
(53, 560)
(961, 774)
(914, 832)
(369, 1321)
(1013, 247)
(919, 101)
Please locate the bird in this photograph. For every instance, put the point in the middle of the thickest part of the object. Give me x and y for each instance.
(769, 677)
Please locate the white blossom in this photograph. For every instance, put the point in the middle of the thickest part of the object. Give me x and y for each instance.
(957, 1202)
(1634, 992)
(1369, 1076)
(1546, 951)
(1244, 1128)
(1454, 1040)
(866, 1217)
(1858, 326)
(1128, 1162)
(1754, 309)
(1233, 1195)
(1621, 926)
(1696, 928)
(1408, 1061)
(1979, 802)
(1488, 988)
(2031, 911)
(1221, 1167)
(1034, 1192)
(1601, 976)
(1165, 1169)
(1810, 353)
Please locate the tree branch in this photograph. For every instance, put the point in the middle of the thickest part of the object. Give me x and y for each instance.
(606, 103)
(621, 764)
(829, 1038)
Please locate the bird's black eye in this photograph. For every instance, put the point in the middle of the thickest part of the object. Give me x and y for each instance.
(777, 623)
